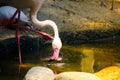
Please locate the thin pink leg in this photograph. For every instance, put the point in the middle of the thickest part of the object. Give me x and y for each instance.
(18, 37)
(17, 32)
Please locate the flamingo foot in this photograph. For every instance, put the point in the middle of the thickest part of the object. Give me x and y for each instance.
(55, 55)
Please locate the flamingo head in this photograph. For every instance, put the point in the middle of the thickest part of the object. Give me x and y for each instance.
(56, 44)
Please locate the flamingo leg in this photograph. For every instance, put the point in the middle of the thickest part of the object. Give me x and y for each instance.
(17, 32)
(18, 37)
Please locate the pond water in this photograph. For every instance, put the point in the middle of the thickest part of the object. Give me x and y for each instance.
(84, 57)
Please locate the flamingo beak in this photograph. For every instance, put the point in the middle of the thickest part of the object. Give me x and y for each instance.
(55, 54)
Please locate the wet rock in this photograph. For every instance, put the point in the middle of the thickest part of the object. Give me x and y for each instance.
(39, 73)
(89, 36)
(76, 76)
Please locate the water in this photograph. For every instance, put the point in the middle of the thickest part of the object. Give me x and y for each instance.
(85, 57)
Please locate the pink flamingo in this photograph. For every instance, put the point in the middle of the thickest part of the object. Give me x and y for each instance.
(6, 12)
(34, 6)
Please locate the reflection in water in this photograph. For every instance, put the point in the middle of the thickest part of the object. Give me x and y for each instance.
(87, 61)
(18, 73)
(85, 57)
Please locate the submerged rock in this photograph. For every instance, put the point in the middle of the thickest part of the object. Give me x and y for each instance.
(76, 76)
(39, 73)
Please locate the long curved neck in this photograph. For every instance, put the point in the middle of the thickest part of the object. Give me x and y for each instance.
(38, 23)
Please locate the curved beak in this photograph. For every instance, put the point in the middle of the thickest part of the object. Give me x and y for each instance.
(55, 54)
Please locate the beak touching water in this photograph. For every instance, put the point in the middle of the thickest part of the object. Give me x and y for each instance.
(55, 54)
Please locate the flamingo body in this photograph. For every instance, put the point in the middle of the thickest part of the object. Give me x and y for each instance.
(6, 12)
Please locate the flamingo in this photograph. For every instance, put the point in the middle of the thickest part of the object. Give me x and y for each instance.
(34, 6)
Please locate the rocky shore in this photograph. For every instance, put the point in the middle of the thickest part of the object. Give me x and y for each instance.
(44, 73)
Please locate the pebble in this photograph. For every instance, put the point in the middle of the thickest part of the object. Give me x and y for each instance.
(40, 73)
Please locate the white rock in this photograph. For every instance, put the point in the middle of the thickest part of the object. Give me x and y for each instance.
(76, 76)
(39, 73)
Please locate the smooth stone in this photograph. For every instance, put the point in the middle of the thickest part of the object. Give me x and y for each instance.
(76, 76)
(40, 73)
(109, 73)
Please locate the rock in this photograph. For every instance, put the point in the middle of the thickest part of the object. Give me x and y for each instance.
(39, 73)
(76, 76)
(109, 73)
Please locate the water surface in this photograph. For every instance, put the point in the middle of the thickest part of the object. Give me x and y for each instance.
(84, 57)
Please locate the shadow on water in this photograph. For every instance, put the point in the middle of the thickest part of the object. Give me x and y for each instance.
(90, 57)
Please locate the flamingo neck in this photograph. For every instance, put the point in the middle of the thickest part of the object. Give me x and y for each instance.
(51, 23)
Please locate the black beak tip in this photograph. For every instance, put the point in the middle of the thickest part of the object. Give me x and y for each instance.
(51, 60)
